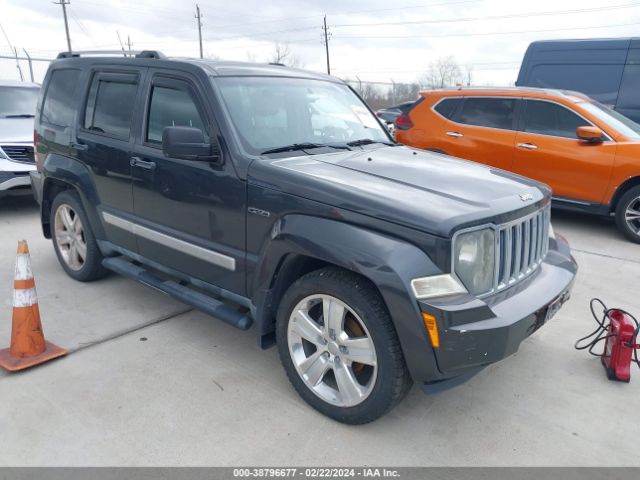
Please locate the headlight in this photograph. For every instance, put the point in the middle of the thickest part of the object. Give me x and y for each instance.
(474, 259)
(3, 155)
(436, 286)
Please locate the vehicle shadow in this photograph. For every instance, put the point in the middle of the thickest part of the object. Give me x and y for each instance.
(18, 204)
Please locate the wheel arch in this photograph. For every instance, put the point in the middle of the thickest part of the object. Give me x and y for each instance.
(63, 173)
(621, 190)
(305, 243)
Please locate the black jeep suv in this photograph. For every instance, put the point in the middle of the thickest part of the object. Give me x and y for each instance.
(266, 195)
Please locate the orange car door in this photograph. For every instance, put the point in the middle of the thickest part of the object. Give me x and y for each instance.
(548, 150)
(483, 130)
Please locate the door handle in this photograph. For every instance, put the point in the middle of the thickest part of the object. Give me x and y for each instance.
(528, 146)
(79, 146)
(455, 134)
(138, 162)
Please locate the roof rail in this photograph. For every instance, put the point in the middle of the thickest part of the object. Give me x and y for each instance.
(125, 53)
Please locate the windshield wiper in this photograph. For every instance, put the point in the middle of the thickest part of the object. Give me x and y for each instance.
(367, 141)
(303, 146)
(21, 115)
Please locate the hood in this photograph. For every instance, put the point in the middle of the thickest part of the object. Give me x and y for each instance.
(419, 189)
(16, 130)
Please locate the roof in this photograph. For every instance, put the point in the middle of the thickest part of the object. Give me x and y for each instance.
(508, 92)
(16, 83)
(211, 67)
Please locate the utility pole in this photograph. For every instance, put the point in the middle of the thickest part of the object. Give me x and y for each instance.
(129, 44)
(327, 35)
(64, 4)
(199, 17)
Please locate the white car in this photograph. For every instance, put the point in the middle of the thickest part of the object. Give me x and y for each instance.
(17, 110)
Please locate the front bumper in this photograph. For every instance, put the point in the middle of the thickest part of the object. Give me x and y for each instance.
(14, 176)
(477, 332)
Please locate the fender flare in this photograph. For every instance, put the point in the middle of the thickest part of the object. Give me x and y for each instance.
(59, 169)
(388, 262)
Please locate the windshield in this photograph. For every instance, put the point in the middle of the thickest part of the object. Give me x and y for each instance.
(274, 112)
(18, 101)
(616, 120)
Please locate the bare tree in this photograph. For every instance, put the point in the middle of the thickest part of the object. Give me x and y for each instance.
(444, 72)
(283, 54)
(468, 75)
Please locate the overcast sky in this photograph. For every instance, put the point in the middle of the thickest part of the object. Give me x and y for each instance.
(377, 40)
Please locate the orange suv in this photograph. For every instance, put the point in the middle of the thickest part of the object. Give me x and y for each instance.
(585, 151)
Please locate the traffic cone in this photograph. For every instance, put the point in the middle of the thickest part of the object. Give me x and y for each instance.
(28, 346)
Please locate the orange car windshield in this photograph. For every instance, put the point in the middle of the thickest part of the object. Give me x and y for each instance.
(616, 120)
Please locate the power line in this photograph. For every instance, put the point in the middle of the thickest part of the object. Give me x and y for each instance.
(491, 17)
(481, 34)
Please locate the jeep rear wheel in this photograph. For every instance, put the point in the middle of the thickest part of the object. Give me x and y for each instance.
(73, 240)
(339, 348)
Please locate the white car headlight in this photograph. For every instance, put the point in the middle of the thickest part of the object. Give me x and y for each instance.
(474, 259)
(436, 286)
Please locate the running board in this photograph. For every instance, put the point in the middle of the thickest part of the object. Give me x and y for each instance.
(197, 300)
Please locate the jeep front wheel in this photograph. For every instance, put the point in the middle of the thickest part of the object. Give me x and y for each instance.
(339, 348)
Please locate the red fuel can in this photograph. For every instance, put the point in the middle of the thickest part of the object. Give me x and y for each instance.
(619, 346)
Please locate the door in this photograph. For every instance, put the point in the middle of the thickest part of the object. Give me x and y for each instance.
(548, 150)
(190, 214)
(103, 142)
(483, 130)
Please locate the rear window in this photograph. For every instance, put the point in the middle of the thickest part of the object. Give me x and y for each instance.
(110, 105)
(447, 107)
(488, 112)
(58, 101)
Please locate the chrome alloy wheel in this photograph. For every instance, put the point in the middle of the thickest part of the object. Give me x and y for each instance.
(632, 215)
(69, 237)
(332, 350)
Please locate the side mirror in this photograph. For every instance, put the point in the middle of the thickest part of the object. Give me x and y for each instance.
(589, 134)
(187, 143)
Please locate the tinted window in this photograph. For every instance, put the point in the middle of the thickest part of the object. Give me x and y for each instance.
(598, 81)
(550, 119)
(488, 112)
(112, 108)
(18, 101)
(172, 107)
(447, 107)
(58, 103)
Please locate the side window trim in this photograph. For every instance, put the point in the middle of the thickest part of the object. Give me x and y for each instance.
(90, 97)
(175, 82)
(521, 125)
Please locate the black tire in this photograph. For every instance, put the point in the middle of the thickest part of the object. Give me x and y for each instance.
(631, 230)
(91, 267)
(392, 380)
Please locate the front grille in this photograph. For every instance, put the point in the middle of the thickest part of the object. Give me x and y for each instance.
(522, 245)
(19, 152)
